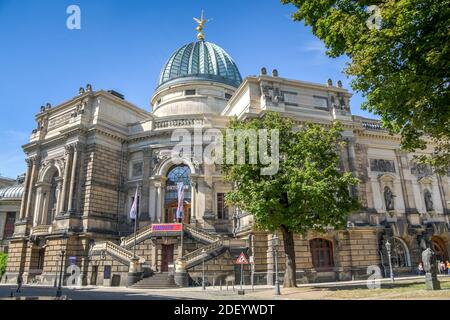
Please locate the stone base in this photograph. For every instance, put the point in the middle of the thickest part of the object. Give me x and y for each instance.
(133, 277)
(182, 279)
(10, 278)
(432, 283)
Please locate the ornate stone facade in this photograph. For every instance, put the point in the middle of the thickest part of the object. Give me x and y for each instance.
(91, 155)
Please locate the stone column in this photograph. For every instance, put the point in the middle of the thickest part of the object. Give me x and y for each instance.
(145, 192)
(152, 202)
(73, 179)
(24, 201)
(37, 209)
(194, 185)
(160, 201)
(44, 209)
(69, 153)
(34, 171)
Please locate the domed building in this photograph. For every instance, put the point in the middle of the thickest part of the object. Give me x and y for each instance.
(97, 161)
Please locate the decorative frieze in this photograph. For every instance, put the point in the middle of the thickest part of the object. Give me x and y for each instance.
(421, 170)
(381, 165)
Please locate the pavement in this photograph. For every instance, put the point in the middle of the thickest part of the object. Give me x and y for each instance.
(303, 291)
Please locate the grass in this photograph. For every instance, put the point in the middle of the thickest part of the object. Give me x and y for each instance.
(389, 291)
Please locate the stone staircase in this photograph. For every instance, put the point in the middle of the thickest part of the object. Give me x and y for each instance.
(115, 251)
(156, 281)
(141, 235)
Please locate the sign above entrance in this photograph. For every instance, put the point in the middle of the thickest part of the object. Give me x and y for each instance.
(167, 227)
(242, 259)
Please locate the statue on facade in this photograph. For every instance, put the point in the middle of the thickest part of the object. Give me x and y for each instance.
(388, 199)
(429, 265)
(428, 201)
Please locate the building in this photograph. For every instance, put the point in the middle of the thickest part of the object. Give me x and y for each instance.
(90, 156)
(10, 196)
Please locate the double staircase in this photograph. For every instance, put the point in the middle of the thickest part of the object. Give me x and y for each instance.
(213, 245)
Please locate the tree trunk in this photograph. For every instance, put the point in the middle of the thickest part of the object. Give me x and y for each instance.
(290, 276)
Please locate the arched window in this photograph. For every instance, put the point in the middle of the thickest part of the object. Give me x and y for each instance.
(439, 248)
(399, 254)
(178, 174)
(322, 254)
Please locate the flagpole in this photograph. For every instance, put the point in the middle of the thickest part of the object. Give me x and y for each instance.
(135, 223)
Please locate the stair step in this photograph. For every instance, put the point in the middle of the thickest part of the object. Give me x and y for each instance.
(156, 281)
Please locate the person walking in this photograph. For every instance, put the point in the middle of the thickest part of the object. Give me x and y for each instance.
(448, 268)
(19, 283)
(442, 267)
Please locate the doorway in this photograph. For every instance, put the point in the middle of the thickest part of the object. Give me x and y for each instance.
(167, 257)
(171, 212)
(94, 275)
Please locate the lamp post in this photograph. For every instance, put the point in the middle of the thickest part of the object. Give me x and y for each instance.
(63, 255)
(388, 248)
(203, 272)
(275, 240)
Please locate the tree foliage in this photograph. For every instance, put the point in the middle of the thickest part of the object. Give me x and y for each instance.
(309, 191)
(402, 68)
(3, 261)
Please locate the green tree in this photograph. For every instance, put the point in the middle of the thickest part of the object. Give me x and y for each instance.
(308, 192)
(3, 260)
(402, 67)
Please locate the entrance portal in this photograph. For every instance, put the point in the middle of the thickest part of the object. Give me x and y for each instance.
(171, 212)
(167, 257)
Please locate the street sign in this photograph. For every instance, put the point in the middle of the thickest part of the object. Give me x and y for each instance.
(242, 259)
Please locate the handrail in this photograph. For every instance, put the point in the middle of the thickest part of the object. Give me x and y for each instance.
(192, 256)
(200, 234)
(116, 250)
(129, 241)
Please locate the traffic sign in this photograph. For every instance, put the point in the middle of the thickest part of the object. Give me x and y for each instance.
(242, 259)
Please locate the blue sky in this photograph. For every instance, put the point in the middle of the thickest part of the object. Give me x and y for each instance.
(122, 45)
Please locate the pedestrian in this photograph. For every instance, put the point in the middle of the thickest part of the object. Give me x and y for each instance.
(442, 267)
(19, 283)
(448, 267)
(420, 269)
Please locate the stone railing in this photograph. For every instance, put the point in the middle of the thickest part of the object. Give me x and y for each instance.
(372, 125)
(115, 251)
(165, 124)
(193, 257)
(141, 235)
(40, 230)
(200, 234)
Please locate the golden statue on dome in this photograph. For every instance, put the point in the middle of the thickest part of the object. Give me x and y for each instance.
(201, 24)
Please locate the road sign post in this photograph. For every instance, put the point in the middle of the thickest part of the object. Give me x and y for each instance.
(242, 259)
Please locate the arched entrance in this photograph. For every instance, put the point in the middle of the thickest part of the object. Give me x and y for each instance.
(177, 174)
(439, 248)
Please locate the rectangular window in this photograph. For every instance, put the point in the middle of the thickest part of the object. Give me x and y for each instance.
(137, 169)
(222, 209)
(189, 93)
(9, 225)
(107, 272)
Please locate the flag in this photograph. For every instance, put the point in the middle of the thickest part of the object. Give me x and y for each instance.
(180, 209)
(133, 210)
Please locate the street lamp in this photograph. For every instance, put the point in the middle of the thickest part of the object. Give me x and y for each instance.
(388, 248)
(63, 255)
(275, 244)
(203, 272)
